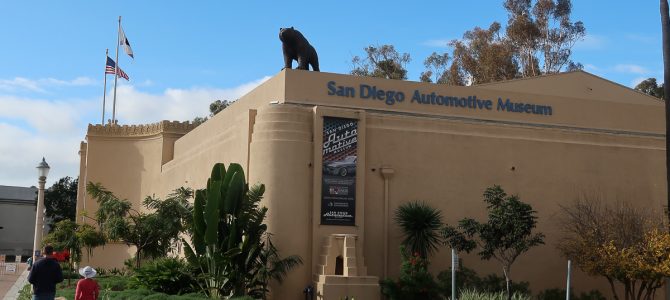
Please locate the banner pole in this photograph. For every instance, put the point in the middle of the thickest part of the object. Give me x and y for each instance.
(116, 71)
(104, 93)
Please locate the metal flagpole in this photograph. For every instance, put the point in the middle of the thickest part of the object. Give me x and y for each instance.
(104, 93)
(116, 72)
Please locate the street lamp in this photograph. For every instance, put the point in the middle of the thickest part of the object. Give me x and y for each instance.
(42, 172)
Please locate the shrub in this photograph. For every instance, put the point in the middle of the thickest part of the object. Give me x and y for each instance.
(471, 294)
(415, 282)
(559, 294)
(467, 279)
(166, 275)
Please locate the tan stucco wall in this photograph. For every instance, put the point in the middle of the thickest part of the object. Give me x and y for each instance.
(600, 138)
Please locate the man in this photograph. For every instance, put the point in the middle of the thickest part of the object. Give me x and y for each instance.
(44, 276)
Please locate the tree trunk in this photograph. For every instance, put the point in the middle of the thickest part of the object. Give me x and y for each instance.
(611, 282)
(506, 272)
(665, 25)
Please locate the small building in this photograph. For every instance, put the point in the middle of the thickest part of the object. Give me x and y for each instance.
(339, 153)
(17, 219)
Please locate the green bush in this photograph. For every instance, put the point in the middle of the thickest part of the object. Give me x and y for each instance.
(559, 294)
(470, 294)
(166, 275)
(415, 282)
(467, 279)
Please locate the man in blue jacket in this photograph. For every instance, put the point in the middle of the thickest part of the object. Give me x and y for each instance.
(44, 276)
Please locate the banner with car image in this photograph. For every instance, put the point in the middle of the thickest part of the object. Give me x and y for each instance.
(338, 188)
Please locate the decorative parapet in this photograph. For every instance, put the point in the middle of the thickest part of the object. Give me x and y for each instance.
(140, 130)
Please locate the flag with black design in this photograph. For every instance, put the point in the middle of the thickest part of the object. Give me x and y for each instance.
(123, 41)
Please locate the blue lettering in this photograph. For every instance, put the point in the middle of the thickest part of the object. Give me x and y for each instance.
(363, 89)
(331, 88)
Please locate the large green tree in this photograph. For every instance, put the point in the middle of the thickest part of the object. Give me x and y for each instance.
(60, 200)
(506, 234)
(153, 230)
(382, 62)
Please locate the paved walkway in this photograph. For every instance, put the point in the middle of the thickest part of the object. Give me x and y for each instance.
(11, 283)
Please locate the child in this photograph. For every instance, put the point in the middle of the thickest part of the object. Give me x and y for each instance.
(87, 288)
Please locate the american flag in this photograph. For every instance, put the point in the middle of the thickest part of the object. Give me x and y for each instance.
(110, 68)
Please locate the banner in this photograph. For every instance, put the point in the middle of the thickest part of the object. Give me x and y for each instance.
(338, 185)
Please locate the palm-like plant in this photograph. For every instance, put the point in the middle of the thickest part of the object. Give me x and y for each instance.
(420, 224)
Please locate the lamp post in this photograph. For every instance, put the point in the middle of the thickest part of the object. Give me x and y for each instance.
(42, 171)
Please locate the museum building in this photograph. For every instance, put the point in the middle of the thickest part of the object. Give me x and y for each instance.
(339, 153)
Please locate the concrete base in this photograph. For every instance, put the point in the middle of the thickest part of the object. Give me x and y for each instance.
(355, 287)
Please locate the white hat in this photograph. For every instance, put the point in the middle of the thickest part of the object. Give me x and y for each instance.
(87, 272)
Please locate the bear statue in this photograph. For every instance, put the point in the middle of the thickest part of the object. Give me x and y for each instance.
(296, 47)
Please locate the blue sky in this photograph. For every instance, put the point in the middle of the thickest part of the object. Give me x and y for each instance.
(189, 53)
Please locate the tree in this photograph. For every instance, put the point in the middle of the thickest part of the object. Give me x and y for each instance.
(229, 242)
(543, 27)
(217, 106)
(619, 242)
(214, 108)
(152, 233)
(60, 200)
(484, 56)
(437, 68)
(506, 234)
(420, 225)
(651, 88)
(68, 235)
(382, 62)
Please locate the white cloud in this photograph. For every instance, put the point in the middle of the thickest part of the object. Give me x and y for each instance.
(630, 68)
(45, 116)
(33, 127)
(443, 43)
(39, 85)
(591, 42)
(135, 106)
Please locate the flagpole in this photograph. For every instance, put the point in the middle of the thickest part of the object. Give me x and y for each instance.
(104, 93)
(116, 71)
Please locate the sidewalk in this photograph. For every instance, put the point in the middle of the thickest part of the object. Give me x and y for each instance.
(10, 284)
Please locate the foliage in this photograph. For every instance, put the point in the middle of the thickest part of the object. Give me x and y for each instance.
(166, 275)
(229, 241)
(113, 287)
(437, 68)
(382, 62)
(621, 243)
(651, 88)
(545, 28)
(154, 233)
(506, 234)
(420, 225)
(559, 294)
(72, 237)
(467, 279)
(415, 282)
(483, 56)
(214, 108)
(477, 295)
(60, 200)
